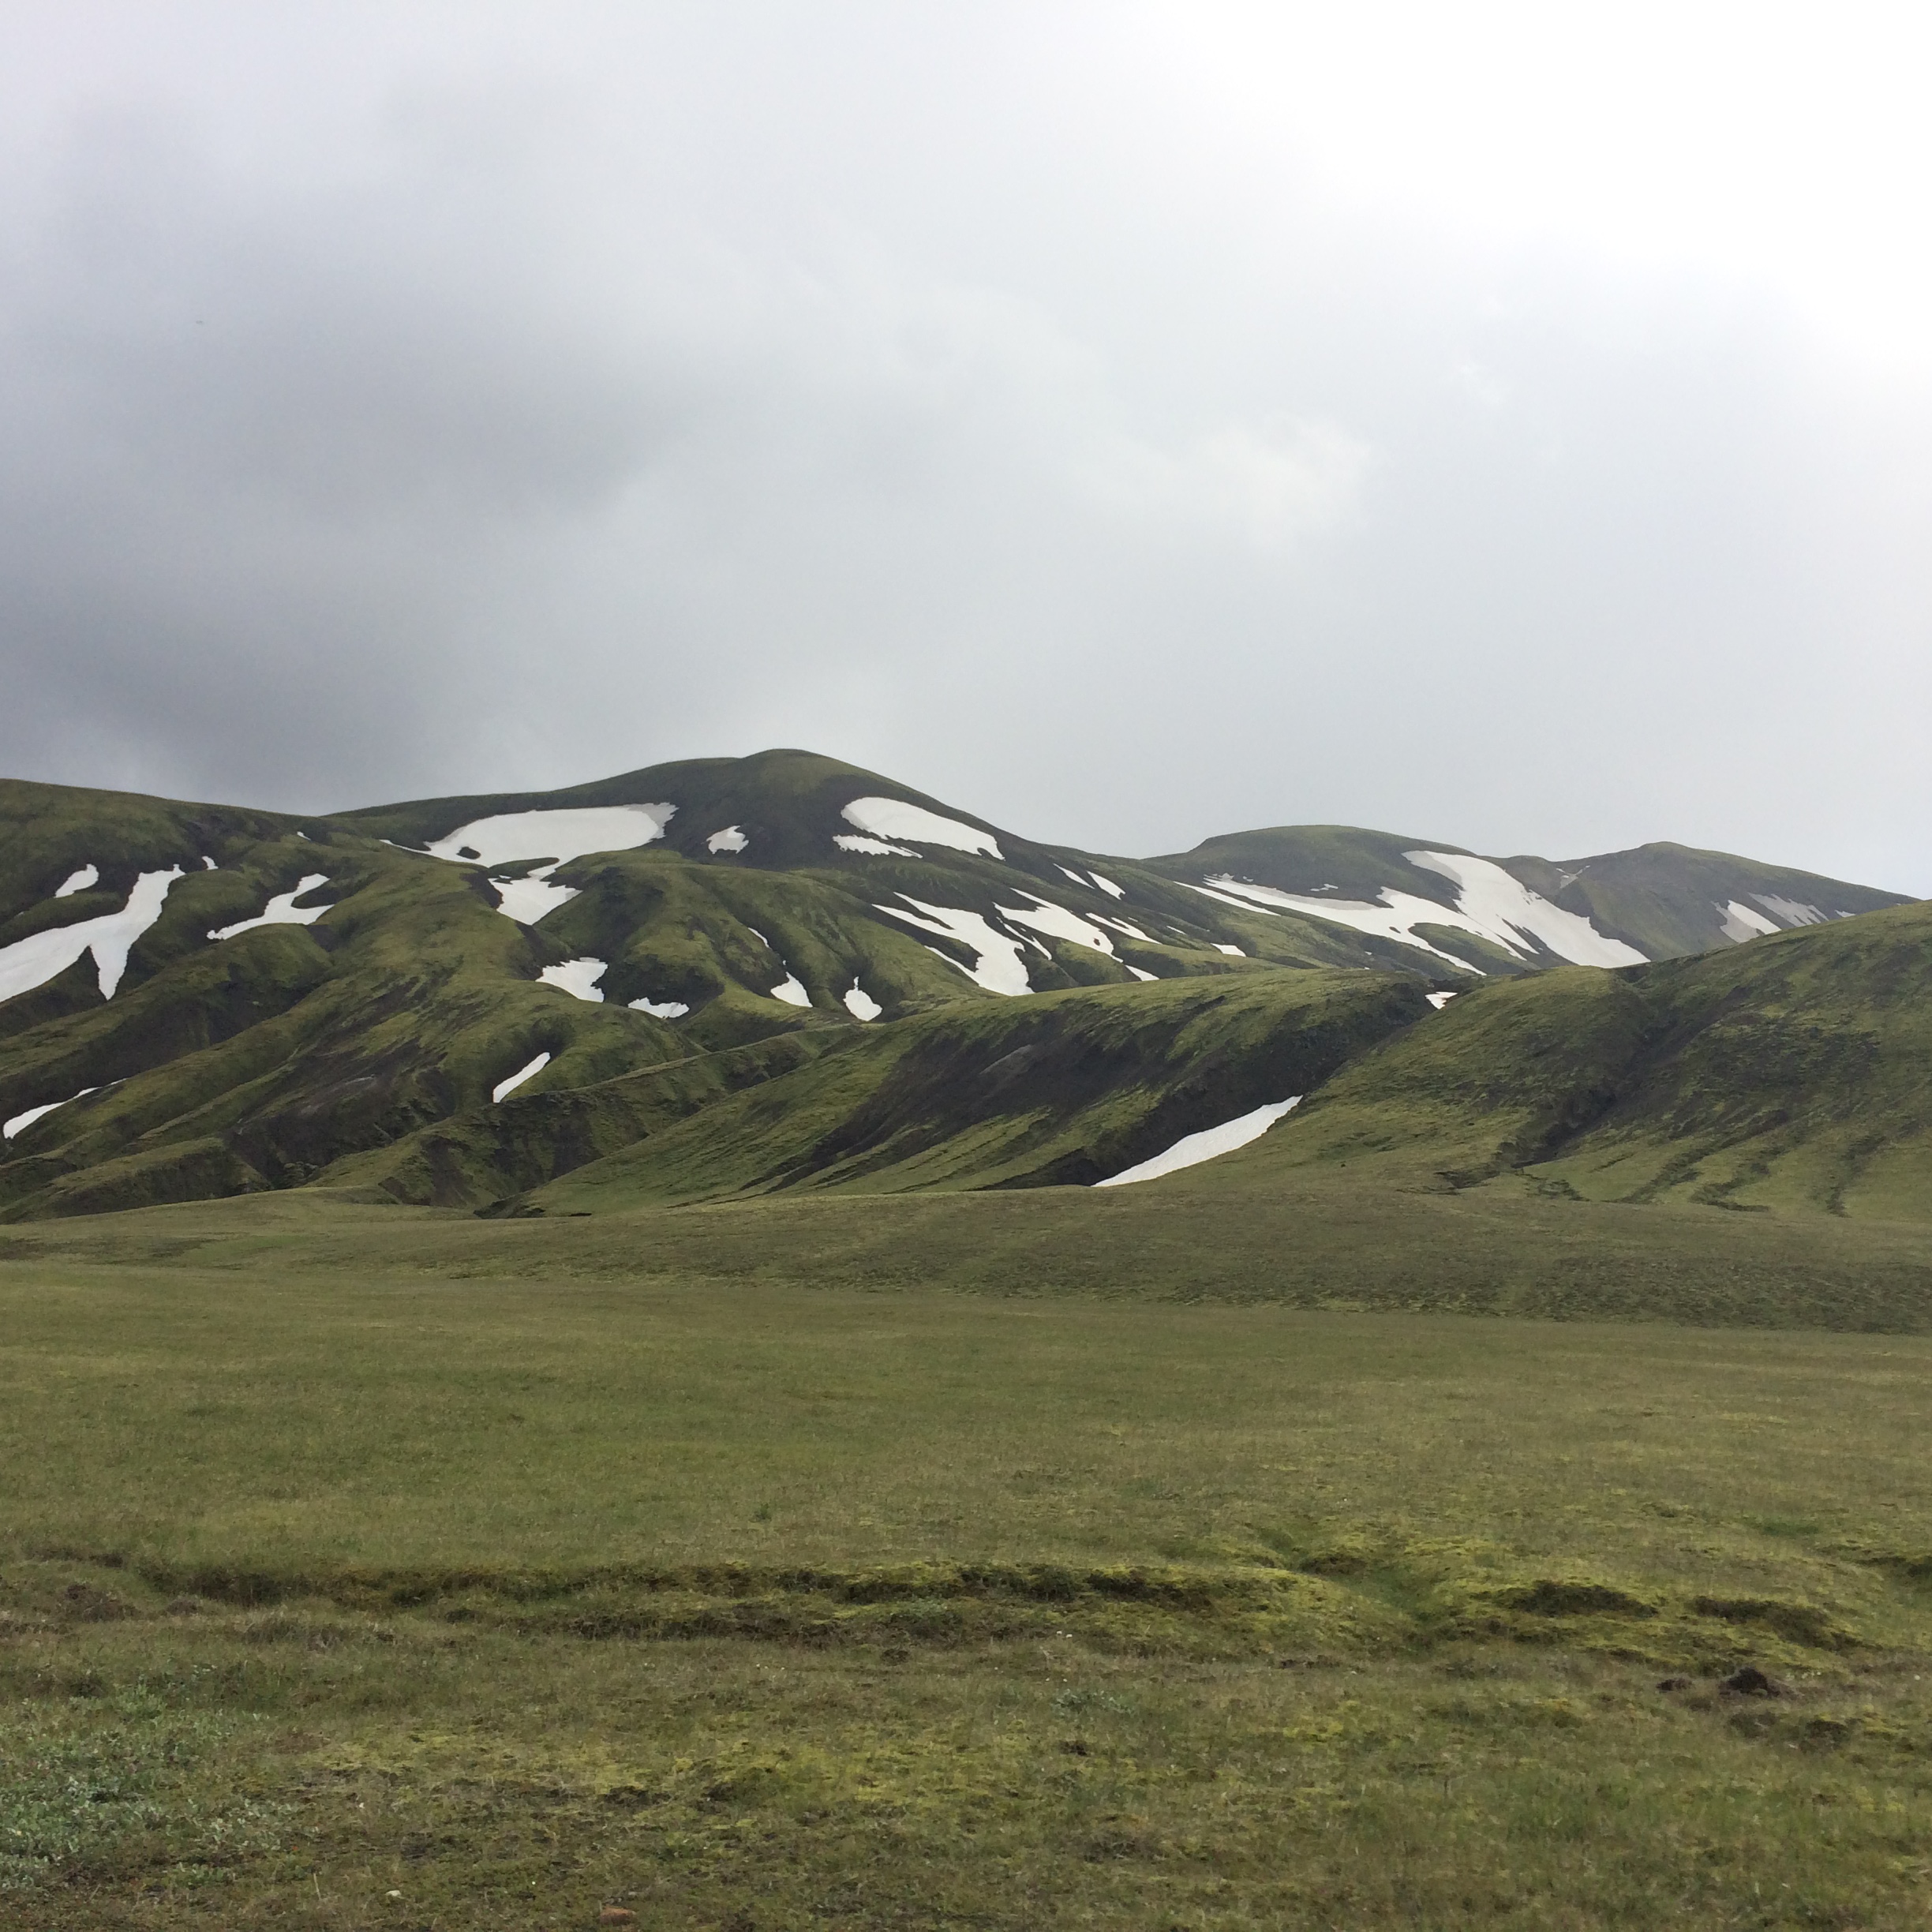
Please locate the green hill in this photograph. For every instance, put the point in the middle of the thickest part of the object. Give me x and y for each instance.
(1066, 1089)
(722, 973)
(1793, 1072)
(1659, 902)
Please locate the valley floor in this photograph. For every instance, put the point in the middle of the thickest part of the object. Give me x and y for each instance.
(730, 1566)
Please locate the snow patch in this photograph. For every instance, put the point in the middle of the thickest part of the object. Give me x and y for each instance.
(791, 992)
(1503, 908)
(1045, 917)
(1138, 973)
(1739, 922)
(78, 882)
(1074, 876)
(208, 865)
(20, 1122)
(893, 818)
(1232, 952)
(997, 964)
(517, 1079)
(853, 841)
(1226, 898)
(281, 910)
(859, 1003)
(557, 836)
(1790, 912)
(577, 977)
(1491, 904)
(560, 835)
(1391, 920)
(1192, 1149)
(660, 1009)
(731, 840)
(527, 900)
(1127, 927)
(1107, 885)
(1439, 1000)
(33, 961)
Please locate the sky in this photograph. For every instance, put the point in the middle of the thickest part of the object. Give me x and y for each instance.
(1507, 424)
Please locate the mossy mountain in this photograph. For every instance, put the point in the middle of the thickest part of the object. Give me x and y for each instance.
(728, 973)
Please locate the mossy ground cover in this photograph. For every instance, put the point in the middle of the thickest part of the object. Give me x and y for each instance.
(380, 1568)
(1792, 1073)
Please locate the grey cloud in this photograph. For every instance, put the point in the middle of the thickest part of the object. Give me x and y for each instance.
(688, 401)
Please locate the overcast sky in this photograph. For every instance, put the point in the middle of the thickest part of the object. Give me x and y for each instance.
(1507, 425)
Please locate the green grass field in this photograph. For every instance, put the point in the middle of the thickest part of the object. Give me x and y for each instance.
(1174, 1558)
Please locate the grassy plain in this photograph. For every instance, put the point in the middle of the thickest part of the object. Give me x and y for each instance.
(381, 1567)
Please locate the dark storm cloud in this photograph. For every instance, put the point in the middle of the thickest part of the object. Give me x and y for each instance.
(458, 405)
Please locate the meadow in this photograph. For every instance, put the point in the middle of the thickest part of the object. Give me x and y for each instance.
(1188, 1557)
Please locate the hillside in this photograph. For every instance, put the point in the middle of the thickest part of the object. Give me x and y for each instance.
(1659, 902)
(1792, 1074)
(1065, 1090)
(200, 1000)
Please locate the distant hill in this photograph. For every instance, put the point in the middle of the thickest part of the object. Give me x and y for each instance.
(197, 1000)
(1658, 902)
(1792, 1074)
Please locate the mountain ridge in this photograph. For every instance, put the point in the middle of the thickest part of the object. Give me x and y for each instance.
(200, 998)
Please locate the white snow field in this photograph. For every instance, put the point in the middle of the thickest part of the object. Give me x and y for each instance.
(1439, 1000)
(1192, 1149)
(1057, 922)
(1076, 878)
(78, 882)
(859, 1003)
(1391, 920)
(790, 991)
(577, 977)
(1107, 885)
(1232, 952)
(1505, 909)
(877, 848)
(1740, 921)
(660, 1009)
(1138, 973)
(281, 910)
(1490, 903)
(1127, 927)
(527, 900)
(1793, 912)
(997, 967)
(731, 840)
(893, 818)
(517, 1079)
(558, 835)
(33, 961)
(20, 1122)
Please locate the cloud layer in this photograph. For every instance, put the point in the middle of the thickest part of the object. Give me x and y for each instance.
(1034, 406)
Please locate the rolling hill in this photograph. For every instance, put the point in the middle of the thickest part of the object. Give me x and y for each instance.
(1792, 1074)
(729, 974)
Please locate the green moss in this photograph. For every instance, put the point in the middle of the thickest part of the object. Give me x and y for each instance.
(1778, 1075)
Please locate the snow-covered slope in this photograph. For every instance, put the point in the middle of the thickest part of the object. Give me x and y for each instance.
(1619, 908)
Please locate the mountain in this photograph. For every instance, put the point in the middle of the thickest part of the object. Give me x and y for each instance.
(1792, 1074)
(466, 999)
(1507, 915)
